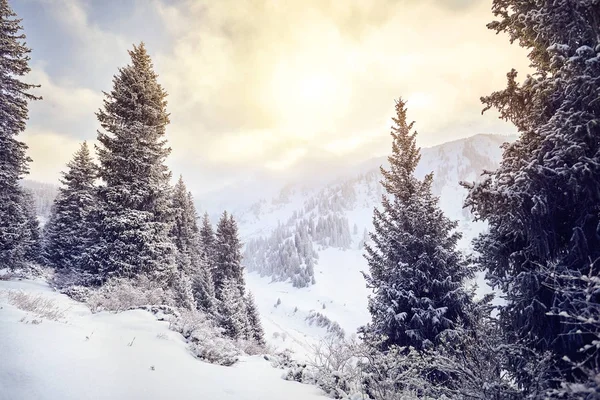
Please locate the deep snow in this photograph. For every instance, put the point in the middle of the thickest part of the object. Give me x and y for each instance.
(87, 356)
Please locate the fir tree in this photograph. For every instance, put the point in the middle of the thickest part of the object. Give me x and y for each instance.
(134, 220)
(207, 240)
(203, 286)
(543, 203)
(228, 256)
(183, 291)
(14, 98)
(185, 231)
(255, 328)
(190, 258)
(32, 240)
(415, 270)
(69, 231)
(232, 310)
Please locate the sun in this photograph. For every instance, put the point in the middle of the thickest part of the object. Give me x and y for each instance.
(314, 89)
(304, 99)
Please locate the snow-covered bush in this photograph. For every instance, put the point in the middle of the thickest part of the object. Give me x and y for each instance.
(206, 341)
(121, 294)
(7, 275)
(334, 366)
(393, 374)
(251, 347)
(78, 293)
(27, 271)
(66, 278)
(36, 304)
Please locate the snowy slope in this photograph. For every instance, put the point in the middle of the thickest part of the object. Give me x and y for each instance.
(452, 162)
(87, 356)
(340, 287)
(339, 282)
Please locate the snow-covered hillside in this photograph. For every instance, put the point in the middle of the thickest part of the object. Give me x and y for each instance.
(281, 231)
(314, 229)
(358, 188)
(71, 353)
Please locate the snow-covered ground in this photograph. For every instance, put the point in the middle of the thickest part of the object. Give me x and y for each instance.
(340, 294)
(89, 356)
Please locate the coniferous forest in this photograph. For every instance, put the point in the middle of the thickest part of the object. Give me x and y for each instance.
(123, 233)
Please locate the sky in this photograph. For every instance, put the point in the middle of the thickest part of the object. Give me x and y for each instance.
(267, 87)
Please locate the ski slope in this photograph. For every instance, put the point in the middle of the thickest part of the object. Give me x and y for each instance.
(89, 356)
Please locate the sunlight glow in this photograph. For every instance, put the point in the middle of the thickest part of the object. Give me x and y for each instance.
(305, 100)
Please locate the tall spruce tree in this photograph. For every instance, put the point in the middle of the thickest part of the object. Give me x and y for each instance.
(14, 98)
(69, 231)
(233, 316)
(228, 255)
(415, 270)
(543, 203)
(207, 240)
(255, 329)
(32, 239)
(191, 260)
(134, 219)
(185, 230)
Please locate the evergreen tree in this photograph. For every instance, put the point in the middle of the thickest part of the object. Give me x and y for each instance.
(203, 286)
(190, 258)
(185, 231)
(232, 310)
(415, 270)
(14, 97)
(207, 240)
(32, 240)
(228, 256)
(255, 328)
(69, 231)
(183, 291)
(543, 203)
(134, 220)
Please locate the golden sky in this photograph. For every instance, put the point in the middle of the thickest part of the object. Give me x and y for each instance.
(266, 85)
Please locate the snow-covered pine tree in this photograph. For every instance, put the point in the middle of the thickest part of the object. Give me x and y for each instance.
(543, 203)
(415, 270)
(228, 255)
(190, 259)
(69, 231)
(233, 316)
(203, 286)
(32, 239)
(183, 291)
(207, 240)
(14, 98)
(185, 230)
(255, 328)
(134, 220)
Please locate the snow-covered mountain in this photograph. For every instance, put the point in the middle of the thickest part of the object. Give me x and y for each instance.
(358, 188)
(304, 245)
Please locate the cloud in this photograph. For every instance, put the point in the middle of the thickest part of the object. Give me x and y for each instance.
(50, 152)
(270, 85)
(65, 108)
(320, 71)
